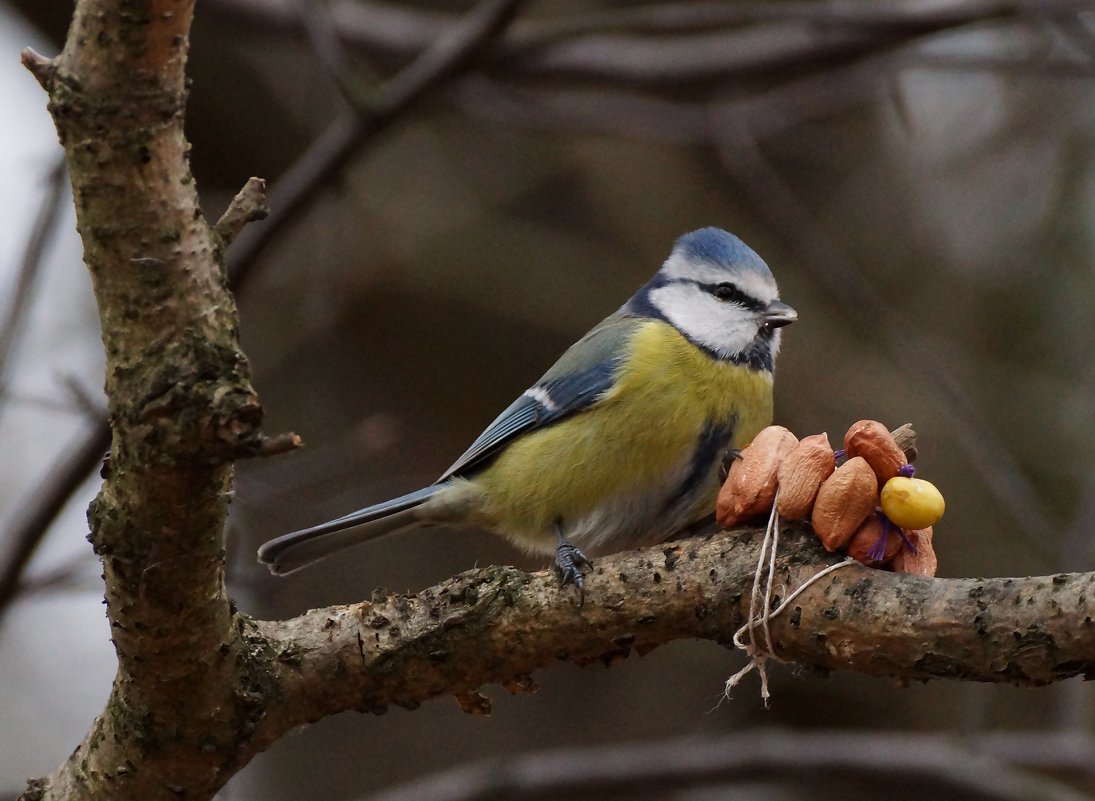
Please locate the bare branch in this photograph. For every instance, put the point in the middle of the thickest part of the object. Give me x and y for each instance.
(85, 402)
(38, 65)
(446, 58)
(31, 522)
(852, 289)
(620, 771)
(58, 578)
(249, 205)
(282, 443)
(499, 624)
(39, 509)
(31, 264)
(328, 49)
(694, 42)
(300, 186)
(180, 401)
(628, 113)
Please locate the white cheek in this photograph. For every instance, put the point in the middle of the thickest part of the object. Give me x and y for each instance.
(722, 327)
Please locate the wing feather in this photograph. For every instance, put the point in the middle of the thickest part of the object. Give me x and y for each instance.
(581, 376)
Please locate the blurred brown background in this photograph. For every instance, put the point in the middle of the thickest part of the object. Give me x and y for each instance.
(918, 175)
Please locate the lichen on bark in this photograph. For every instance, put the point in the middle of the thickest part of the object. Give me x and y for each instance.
(201, 688)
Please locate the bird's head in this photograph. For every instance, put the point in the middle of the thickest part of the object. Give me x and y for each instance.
(721, 295)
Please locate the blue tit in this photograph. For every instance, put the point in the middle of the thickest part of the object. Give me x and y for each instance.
(620, 444)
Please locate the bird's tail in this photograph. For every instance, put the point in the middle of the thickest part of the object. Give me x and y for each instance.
(297, 549)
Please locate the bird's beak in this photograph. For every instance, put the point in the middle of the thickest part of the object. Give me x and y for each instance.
(778, 314)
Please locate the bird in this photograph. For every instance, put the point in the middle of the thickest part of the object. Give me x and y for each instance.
(620, 444)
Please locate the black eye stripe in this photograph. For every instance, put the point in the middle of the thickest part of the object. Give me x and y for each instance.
(729, 293)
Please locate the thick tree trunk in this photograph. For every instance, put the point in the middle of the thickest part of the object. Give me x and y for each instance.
(180, 403)
(201, 688)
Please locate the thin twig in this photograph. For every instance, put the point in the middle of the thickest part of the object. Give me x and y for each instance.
(445, 59)
(66, 575)
(249, 205)
(1057, 68)
(85, 402)
(294, 192)
(328, 48)
(691, 39)
(630, 114)
(621, 771)
(68, 402)
(42, 505)
(782, 210)
(31, 265)
(40, 508)
(280, 443)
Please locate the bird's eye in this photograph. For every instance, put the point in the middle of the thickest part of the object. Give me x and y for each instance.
(726, 292)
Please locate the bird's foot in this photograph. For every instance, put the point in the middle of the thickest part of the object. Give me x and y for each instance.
(569, 562)
(728, 459)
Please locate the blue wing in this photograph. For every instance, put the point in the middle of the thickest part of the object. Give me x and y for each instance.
(581, 376)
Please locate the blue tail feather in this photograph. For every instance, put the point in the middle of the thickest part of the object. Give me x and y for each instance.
(297, 549)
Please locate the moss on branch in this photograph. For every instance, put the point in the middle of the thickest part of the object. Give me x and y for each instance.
(200, 688)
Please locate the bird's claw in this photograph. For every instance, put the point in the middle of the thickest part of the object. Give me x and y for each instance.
(569, 562)
(728, 459)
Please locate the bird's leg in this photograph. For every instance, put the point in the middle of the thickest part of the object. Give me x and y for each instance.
(727, 460)
(569, 562)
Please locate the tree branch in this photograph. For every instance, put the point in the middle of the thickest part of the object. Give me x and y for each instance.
(445, 58)
(499, 624)
(32, 518)
(31, 266)
(21, 544)
(292, 195)
(693, 43)
(180, 401)
(249, 205)
(200, 688)
(976, 766)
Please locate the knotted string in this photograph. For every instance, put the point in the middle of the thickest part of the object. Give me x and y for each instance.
(760, 652)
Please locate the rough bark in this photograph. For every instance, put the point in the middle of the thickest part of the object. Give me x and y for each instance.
(499, 624)
(201, 688)
(180, 403)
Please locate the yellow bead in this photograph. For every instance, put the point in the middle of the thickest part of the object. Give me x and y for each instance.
(912, 503)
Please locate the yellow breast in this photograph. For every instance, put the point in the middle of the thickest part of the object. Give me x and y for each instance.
(640, 434)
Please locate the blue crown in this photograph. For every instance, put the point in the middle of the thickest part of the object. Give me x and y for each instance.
(716, 246)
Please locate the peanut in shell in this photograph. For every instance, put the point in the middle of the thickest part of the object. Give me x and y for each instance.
(800, 475)
(843, 503)
(865, 538)
(751, 485)
(873, 441)
(921, 563)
